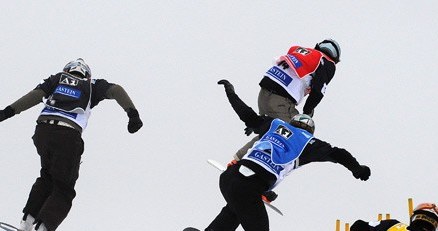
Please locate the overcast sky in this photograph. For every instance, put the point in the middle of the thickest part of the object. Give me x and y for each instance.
(168, 55)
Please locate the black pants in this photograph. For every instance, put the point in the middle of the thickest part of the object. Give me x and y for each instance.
(60, 149)
(244, 203)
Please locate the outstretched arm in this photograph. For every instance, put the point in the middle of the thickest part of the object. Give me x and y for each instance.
(320, 151)
(245, 113)
(29, 100)
(343, 157)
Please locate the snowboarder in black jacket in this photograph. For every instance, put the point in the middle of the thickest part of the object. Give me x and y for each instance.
(424, 218)
(70, 96)
(283, 147)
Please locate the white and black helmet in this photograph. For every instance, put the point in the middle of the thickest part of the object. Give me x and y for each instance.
(78, 66)
(330, 48)
(303, 121)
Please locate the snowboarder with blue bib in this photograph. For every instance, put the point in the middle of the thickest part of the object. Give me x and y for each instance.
(283, 147)
(70, 96)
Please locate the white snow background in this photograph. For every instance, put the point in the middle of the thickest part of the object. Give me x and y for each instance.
(169, 55)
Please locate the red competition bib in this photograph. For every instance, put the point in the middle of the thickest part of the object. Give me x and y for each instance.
(302, 60)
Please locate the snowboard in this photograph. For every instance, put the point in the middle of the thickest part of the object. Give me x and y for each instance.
(222, 168)
(8, 227)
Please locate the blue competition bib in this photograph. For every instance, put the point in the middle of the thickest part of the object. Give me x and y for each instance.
(54, 110)
(68, 91)
(283, 142)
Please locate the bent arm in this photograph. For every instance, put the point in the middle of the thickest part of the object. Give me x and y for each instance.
(321, 78)
(121, 96)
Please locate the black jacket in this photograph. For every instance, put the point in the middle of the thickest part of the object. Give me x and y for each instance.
(315, 151)
(382, 225)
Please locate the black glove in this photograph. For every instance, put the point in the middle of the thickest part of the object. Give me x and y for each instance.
(269, 196)
(362, 172)
(134, 123)
(360, 225)
(248, 131)
(6, 113)
(229, 88)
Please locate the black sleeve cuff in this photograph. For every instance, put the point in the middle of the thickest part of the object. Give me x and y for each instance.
(9, 112)
(132, 113)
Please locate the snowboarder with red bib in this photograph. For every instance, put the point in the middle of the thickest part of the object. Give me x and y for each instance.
(299, 73)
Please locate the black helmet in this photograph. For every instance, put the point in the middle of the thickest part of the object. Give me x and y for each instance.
(303, 121)
(425, 217)
(330, 48)
(360, 225)
(78, 66)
